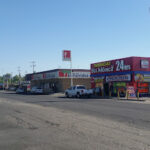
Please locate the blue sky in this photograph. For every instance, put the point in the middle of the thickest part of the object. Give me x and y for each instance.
(94, 30)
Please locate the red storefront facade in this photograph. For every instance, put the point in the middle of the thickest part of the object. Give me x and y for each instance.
(119, 74)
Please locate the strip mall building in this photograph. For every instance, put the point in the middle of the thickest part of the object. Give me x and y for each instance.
(119, 74)
(59, 79)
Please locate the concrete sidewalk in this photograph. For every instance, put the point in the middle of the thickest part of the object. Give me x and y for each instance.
(141, 99)
(57, 94)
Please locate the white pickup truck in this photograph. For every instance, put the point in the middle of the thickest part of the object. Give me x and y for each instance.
(78, 91)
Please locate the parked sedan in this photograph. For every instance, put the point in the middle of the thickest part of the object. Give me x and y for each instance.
(20, 91)
(36, 90)
(12, 88)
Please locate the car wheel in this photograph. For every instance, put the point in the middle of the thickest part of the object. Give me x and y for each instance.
(78, 95)
(67, 95)
(89, 95)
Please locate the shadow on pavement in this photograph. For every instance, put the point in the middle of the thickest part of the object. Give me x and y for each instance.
(135, 100)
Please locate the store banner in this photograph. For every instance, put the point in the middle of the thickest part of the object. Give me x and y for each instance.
(119, 84)
(64, 73)
(144, 64)
(66, 55)
(67, 74)
(126, 77)
(37, 76)
(99, 79)
(142, 77)
(51, 75)
(81, 74)
(118, 65)
(147, 77)
(121, 65)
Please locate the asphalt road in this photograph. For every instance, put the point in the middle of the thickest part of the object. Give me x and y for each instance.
(132, 113)
(42, 122)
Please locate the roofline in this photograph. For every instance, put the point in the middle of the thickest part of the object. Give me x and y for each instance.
(119, 59)
(84, 70)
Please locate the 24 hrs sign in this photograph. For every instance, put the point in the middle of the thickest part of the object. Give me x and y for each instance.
(120, 66)
(111, 66)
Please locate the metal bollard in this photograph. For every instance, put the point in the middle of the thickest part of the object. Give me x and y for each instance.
(102, 93)
(109, 93)
(138, 95)
(127, 95)
(118, 95)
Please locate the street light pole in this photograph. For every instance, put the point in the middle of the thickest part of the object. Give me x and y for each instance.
(71, 72)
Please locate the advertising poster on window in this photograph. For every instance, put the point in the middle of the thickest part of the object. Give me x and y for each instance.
(142, 77)
(116, 86)
(131, 92)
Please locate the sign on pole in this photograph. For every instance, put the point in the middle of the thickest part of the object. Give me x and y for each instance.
(66, 55)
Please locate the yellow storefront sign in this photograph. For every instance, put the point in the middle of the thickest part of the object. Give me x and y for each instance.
(103, 64)
(98, 80)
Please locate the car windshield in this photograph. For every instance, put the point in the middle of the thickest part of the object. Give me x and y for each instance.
(80, 87)
(34, 87)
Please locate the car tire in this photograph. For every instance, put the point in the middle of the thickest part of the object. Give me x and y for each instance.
(78, 95)
(89, 95)
(67, 95)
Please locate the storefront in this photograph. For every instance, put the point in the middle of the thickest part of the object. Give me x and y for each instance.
(120, 75)
(59, 80)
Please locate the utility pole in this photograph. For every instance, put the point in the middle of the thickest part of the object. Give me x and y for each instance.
(33, 66)
(2, 71)
(3, 82)
(11, 78)
(19, 75)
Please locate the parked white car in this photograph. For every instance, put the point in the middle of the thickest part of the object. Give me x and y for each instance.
(78, 91)
(12, 88)
(20, 91)
(36, 90)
